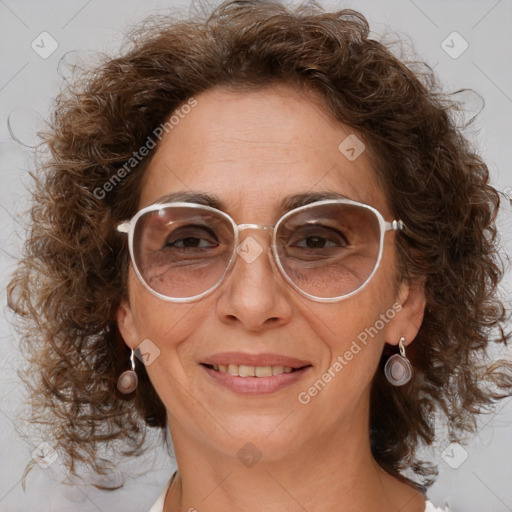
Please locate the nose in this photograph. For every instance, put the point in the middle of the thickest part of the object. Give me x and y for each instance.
(253, 294)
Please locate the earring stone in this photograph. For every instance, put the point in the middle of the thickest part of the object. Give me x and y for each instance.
(398, 369)
(128, 380)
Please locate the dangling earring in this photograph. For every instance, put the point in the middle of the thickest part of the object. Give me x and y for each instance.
(398, 369)
(128, 380)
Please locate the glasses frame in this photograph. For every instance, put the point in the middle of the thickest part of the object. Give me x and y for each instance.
(128, 227)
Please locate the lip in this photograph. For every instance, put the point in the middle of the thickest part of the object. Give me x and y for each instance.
(256, 385)
(246, 359)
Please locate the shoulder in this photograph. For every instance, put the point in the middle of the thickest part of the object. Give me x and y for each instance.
(430, 508)
(158, 506)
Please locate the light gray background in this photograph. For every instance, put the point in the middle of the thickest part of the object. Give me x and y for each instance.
(481, 482)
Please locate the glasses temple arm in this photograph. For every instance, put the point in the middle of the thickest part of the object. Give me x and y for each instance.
(396, 225)
(124, 227)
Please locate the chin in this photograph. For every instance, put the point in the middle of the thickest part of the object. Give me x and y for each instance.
(266, 434)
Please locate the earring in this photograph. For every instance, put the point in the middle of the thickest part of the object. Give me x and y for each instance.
(398, 369)
(128, 380)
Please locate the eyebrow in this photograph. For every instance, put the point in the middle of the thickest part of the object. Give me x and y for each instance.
(297, 200)
(192, 197)
(288, 203)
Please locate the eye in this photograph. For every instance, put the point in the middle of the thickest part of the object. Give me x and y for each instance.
(315, 242)
(318, 237)
(192, 237)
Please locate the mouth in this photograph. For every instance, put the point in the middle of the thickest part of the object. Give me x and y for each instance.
(254, 374)
(243, 370)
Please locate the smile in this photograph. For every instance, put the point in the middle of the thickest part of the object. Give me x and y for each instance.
(252, 371)
(254, 380)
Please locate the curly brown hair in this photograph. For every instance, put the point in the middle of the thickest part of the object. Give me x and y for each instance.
(72, 278)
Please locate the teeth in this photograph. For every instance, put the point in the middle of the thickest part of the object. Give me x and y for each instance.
(246, 371)
(252, 371)
(277, 370)
(263, 371)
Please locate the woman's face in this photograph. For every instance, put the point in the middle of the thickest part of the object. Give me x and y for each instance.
(250, 151)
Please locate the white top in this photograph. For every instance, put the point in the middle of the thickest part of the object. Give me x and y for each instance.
(159, 504)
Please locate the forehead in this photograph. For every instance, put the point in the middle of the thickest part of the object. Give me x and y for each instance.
(251, 150)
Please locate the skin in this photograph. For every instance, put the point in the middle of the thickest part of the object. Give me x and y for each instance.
(250, 149)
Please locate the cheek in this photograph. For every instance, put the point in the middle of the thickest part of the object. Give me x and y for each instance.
(354, 330)
(358, 338)
(164, 323)
(361, 318)
(354, 336)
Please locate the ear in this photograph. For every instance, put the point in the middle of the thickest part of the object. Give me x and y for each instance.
(407, 321)
(126, 325)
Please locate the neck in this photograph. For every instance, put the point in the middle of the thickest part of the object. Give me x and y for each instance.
(326, 477)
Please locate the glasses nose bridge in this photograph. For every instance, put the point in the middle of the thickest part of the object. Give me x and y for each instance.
(248, 227)
(264, 227)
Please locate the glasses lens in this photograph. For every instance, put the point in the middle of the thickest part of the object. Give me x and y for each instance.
(329, 250)
(182, 251)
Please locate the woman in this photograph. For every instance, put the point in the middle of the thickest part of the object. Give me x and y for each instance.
(263, 231)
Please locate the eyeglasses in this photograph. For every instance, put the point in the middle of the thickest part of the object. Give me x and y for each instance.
(327, 250)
